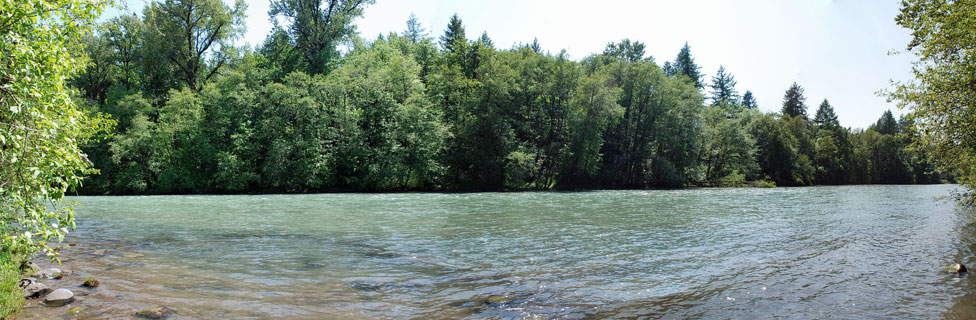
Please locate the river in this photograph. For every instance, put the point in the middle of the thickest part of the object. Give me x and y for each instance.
(819, 252)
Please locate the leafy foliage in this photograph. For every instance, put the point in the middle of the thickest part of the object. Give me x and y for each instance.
(41, 127)
(404, 113)
(194, 35)
(11, 296)
(316, 28)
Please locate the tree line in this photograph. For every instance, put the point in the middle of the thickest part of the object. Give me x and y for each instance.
(196, 114)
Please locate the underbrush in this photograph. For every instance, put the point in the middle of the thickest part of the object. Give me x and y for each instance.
(11, 298)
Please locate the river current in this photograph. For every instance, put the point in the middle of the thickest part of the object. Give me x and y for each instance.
(821, 252)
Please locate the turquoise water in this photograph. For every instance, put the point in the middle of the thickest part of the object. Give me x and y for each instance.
(845, 252)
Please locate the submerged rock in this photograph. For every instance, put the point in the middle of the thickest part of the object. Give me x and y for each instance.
(364, 286)
(50, 273)
(36, 290)
(154, 313)
(957, 268)
(58, 298)
(76, 310)
(495, 300)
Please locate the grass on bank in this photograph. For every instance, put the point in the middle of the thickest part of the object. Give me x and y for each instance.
(11, 298)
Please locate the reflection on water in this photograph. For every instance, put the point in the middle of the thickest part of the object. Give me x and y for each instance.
(846, 252)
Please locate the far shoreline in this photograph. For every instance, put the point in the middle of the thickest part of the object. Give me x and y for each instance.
(492, 191)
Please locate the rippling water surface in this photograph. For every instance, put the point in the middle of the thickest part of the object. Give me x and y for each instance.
(825, 252)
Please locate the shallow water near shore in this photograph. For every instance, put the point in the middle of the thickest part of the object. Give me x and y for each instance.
(844, 252)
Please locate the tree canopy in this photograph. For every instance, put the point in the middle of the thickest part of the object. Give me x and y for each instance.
(413, 112)
(316, 27)
(941, 95)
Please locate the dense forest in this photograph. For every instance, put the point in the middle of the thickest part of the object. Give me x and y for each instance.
(317, 108)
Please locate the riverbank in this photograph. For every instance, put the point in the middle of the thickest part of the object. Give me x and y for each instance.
(85, 266)
(756, 184)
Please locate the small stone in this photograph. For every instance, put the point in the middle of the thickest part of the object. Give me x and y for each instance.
(48, 273)
(76, 310)
(957, 268)
(72, 244)
(58, 298)
(100, 252)
(133, 255)
(25, 282)
(154, 313)
(36, 290)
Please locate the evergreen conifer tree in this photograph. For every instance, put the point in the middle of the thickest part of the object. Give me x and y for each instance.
(749, 101)
(887, 124)
(536, 46)
(454, 39)
(723, 88)
(414, 30)
(685, 64)
(826, 118)
(793, 102)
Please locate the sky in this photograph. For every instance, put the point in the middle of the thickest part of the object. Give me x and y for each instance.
(836, 50)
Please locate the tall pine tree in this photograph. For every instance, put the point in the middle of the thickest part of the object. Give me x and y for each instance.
(685, 64)
(749, 101)
(535, 46)
(887, 124)
(793, 102)
(826, 118)
(415, 31)
(456, 47)
(454, 40)
(723, 88)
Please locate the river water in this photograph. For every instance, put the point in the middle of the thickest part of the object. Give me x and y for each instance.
(822, 252)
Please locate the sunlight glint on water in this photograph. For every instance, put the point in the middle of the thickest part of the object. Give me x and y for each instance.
(848, 252)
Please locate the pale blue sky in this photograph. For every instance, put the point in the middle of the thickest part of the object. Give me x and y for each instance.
(835, 49)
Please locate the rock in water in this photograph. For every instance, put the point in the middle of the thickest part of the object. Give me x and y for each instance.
(495, 300)
(153, 313)
(957, 268)
(36, 290)
(58, 298)
(48, 273)
(29, 265)
(90, 283)
(25, 282)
